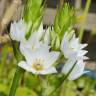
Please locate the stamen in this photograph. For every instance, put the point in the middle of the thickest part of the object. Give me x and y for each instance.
(38, 64)
(33, 48)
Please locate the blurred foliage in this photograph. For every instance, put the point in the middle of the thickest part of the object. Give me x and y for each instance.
(94, 31)
(30, 84)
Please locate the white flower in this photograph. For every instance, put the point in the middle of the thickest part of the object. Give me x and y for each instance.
(18, 30)
(77, 71)
(38, 58)
(34, 42)
(39, 62)
(71, 47)
(74, 53)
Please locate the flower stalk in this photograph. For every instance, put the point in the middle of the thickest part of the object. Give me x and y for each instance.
(19, 71)
(16, 79)
(81, 33)
(62, 79)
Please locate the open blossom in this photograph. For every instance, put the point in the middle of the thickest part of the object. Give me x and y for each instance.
(36, 42)
(36, 52)
(18, 30)
(74, 53)
(39, 62)
(71, 47)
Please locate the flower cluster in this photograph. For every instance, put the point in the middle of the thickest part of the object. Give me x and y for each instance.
(74, 53)
(40, 57)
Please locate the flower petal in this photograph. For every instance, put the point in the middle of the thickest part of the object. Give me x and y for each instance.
(50, 58)
(77, 71)
(27, 53)
(18, 30)
(49, 71)
(81, 53)
(68, 65)
(74, 43)
(83, 46)
(26, 67)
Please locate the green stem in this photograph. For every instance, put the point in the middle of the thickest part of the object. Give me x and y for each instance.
(63, 78)
(19, 71)
(84, 19)
(16, 79)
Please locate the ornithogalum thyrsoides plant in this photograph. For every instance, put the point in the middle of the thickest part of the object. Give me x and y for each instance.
(53, 52)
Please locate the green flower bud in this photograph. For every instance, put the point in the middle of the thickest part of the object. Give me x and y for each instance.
(53, 39)
(57, 45)
(63, 20)
(33, 13)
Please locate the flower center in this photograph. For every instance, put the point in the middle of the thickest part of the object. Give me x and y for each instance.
(33, 47)
(73, 49)
(38, 64)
